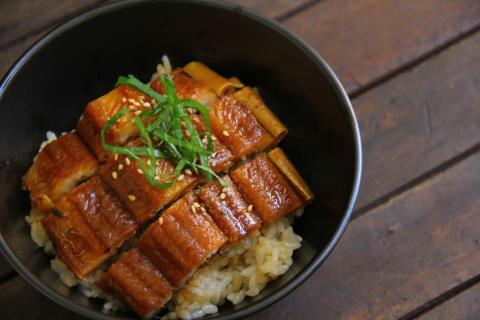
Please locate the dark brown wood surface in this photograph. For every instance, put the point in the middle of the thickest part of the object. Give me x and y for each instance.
(465, 306)
(412, 69)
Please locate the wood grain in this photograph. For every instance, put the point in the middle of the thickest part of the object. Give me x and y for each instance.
(274, 8)
(21, 18)
(364, 40)
(399, 256)
(465, 306)
(420, 119)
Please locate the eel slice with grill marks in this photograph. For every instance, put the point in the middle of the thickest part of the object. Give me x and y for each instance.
(87, 225)
(228, 209)
(102, 109)
(263, 185)
(59, 167)
(136, 281)
(181, 240)
(141, 198)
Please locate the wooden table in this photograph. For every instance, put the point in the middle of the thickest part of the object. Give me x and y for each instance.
(412, 69)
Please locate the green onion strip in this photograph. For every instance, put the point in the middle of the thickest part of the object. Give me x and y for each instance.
(160, 129)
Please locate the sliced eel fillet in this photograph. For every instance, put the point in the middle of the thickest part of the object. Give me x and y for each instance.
(59, 167)
(281, 161)
(87, 225)
(264, 186)
(222, 159)
(229, 210)
(141, 198)
(135, 280)
(263, 114)
(236, 126)
(187, 87)
(99, 111)
(103, 212)
(182, 239)
(213, 80)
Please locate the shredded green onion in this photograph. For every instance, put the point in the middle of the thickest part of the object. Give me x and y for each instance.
(161, 130)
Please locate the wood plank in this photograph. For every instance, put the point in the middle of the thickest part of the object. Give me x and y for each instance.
(274, 8)
(399, 256)
(21, 301)
(420, 119)
(9, 55)
(465, 306)
(365, 39)
(21, 18)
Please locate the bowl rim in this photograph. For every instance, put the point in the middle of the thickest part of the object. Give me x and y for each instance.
(267, 22)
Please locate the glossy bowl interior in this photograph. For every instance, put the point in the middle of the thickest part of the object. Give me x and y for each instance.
(50, 85)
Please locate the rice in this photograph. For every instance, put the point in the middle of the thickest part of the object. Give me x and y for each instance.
(243, 271)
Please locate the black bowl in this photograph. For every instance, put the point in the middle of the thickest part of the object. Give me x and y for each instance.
(49, 86)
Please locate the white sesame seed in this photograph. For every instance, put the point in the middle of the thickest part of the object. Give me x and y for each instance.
(146, 104)
(250, 208)
(203, 209)
(204, 141)
(188, 171)
(193, 209)
(225, 189)
(214, 138)
(222, 196)
(180, 177)
(225, 133)
(131, 107)
(114, 175)
(131, 197)
(196, 205)
(124, 100)
(137, 112)
(213, 155)
(127, 161)
(157, 178)
(140, 171)
(132, 101)
(120, 167)
(142, 97)
(149, 163)
(115, 156)
(160, 221)
(137, 104)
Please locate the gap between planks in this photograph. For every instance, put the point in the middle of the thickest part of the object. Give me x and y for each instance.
(432, 304)
(412, 184)
(413, 63)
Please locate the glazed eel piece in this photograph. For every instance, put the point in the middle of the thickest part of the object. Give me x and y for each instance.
(78, 238)
(58, 168)
(194, 228)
